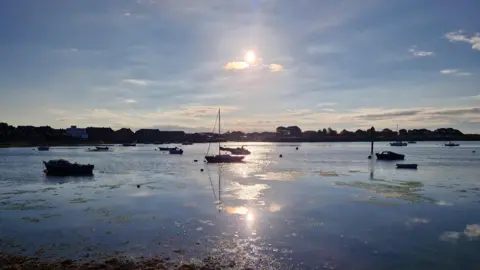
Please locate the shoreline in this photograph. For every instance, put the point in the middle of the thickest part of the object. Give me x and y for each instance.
(93, 144)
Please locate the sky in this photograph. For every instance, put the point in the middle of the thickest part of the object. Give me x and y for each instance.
(171, 64)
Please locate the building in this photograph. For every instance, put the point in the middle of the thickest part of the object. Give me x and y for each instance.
(79, 133)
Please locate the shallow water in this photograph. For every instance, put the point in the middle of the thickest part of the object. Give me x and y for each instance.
(323, 206)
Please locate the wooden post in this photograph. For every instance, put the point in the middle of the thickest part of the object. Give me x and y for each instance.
(372, 137)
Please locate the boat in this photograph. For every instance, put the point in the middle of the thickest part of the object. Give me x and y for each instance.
(167, 148)
(99, 149)
(176, 151)
(187, 143)
(225, 158)
(407, 166)
(62, 167)
(236, 151)
(451, 144)
(398, 143)
(129, 144)
(388, 155)
(43, 148)
(412, 142)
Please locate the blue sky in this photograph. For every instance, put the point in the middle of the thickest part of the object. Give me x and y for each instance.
(171, 63)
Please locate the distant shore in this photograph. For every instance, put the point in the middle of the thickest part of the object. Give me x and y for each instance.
(279, 140)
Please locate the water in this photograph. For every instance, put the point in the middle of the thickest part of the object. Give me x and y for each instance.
(324, 206)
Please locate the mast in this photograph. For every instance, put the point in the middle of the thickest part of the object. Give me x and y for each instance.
(219, 132)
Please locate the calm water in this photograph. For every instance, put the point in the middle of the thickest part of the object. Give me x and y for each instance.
(323, 206)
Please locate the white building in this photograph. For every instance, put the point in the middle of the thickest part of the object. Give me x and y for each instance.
(75, 132)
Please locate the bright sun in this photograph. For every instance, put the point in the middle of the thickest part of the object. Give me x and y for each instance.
(250, 57)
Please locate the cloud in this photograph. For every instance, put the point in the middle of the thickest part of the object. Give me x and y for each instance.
(455, 112)
(299, 112)
(127, 14)
(326, 104)
(460, 36)
(136, 82)
(275, 67)
(448, 71)
(236, 65)
(389, 114)
(454, 72)
(328, 110)
(476, 97)
(413, 50)
(130, 101)
(322, 49)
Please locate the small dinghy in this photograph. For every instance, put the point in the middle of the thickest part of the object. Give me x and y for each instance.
(407, 166)
(62, 167)
(176, 151)
(43, 148)
(167, 148)
(389, 155)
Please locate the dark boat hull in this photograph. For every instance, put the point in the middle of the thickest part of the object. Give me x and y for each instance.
(390, 157)
(407, 166)
(176, 152)
(68, 170)
(220, 159)
(167, 148)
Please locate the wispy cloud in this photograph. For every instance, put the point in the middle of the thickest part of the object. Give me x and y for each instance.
(455, 72)
(326, 104)
(460, 36)
(417, 53)
(130, 101)
(135, 82)
(236, 65)
(275, 67)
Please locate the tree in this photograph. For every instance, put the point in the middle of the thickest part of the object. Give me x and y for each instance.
(295, 131)
(331, 132)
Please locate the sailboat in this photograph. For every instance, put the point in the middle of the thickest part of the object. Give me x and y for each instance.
(222, 158)
(398, 143)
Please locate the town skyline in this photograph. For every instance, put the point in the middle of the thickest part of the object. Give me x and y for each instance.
(265, 63)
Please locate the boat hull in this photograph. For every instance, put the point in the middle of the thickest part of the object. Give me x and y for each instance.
(69, 171)
(224, 159)
(175, 151)
(407, 166)
(390, 157)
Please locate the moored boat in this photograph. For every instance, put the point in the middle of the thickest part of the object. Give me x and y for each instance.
(236, 151)
(389, 155)
(62, 167)
(187, 143)
(407, 166)
(412, 142)
(222, 158)
(43, 148)
(176, 151)
(451, 144)
(167, 148)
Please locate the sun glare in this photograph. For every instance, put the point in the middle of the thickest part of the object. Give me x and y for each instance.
(250, 57)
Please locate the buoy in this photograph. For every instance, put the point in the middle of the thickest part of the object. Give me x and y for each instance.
(195, 160)
(280, 155)
(473, 151)
(201, 170)
(138, 186)
(369, 157)
(296, 148)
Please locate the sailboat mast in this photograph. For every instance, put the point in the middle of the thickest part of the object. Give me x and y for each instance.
(219, 132)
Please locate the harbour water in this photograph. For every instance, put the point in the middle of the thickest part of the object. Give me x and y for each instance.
(323, 206)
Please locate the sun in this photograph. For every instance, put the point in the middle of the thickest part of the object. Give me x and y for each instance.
(250, 57)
